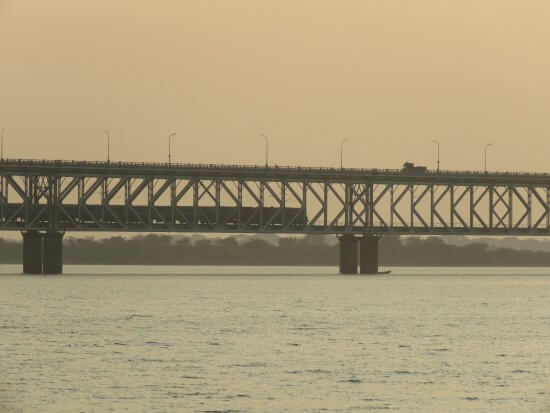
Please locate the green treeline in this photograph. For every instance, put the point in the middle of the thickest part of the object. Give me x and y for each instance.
(155, 249)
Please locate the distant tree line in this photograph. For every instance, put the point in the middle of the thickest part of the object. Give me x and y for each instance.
(155, 249)
(433, 251)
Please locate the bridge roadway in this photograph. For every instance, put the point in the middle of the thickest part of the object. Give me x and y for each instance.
(43, 199)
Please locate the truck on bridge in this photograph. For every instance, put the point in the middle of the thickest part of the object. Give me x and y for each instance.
(410, 168)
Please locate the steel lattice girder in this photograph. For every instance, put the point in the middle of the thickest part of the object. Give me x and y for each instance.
(40, 199)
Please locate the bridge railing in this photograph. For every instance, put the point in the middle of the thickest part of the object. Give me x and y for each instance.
(259, 168)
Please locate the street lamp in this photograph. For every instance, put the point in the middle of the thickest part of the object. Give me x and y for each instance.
(108, 133)
(266, 149)
(342, 152)
(486, 146)
(437, 154)
(170, 147)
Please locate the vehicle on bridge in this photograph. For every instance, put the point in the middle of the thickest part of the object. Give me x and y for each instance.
(410, 168)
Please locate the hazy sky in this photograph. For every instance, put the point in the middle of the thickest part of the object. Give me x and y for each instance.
(390, 75)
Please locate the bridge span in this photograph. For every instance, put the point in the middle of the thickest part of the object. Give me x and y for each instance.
(43, 199)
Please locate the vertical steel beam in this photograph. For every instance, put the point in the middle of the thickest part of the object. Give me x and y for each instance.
(29, 188)
(53, 196)
(104, 189)
(283, 203)
(325, 205)
(28, 200)
(240, 203)
(510, 209)
(432, 199)
(349, 205)
(2, 199)
(127, 193)
(370, 206)
(491, 206)
(530, 207)
(452, 195)
(79, 193)
(261, 202)
(304, 200)
(412, 205)
(217, 196)
(391, 206)
(196, 203)
(150, 194)
(5, 201)
(471, 207)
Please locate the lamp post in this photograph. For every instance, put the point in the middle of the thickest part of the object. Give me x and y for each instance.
(266, 149)
(108, 133)
(170, 147)
(437, 154)
(486, 146)
(342, 152)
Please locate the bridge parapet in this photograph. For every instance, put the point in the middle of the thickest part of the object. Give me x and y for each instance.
(284, 172)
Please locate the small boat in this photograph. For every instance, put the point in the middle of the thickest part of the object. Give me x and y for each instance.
(375, 273)
(368, 273)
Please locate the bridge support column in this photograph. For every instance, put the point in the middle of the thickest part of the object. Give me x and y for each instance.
(32, 252)
(348, 254)
(53, 252)
(369, 254)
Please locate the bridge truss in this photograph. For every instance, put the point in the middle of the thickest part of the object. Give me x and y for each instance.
(128, 197)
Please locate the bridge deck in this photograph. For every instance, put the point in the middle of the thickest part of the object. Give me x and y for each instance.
(279, 172)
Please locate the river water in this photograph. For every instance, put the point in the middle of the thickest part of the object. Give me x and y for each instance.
(274, 339)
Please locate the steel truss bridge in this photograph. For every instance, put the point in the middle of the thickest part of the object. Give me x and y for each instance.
(44, 199)
(41, 195)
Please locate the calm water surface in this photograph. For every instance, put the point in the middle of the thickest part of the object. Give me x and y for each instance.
(213, 339)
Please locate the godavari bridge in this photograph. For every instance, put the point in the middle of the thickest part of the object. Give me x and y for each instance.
(43, 199)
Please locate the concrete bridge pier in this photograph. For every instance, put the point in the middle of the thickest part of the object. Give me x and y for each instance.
(32, 252)
(348, 254)
(368, 246)
(53, 252)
